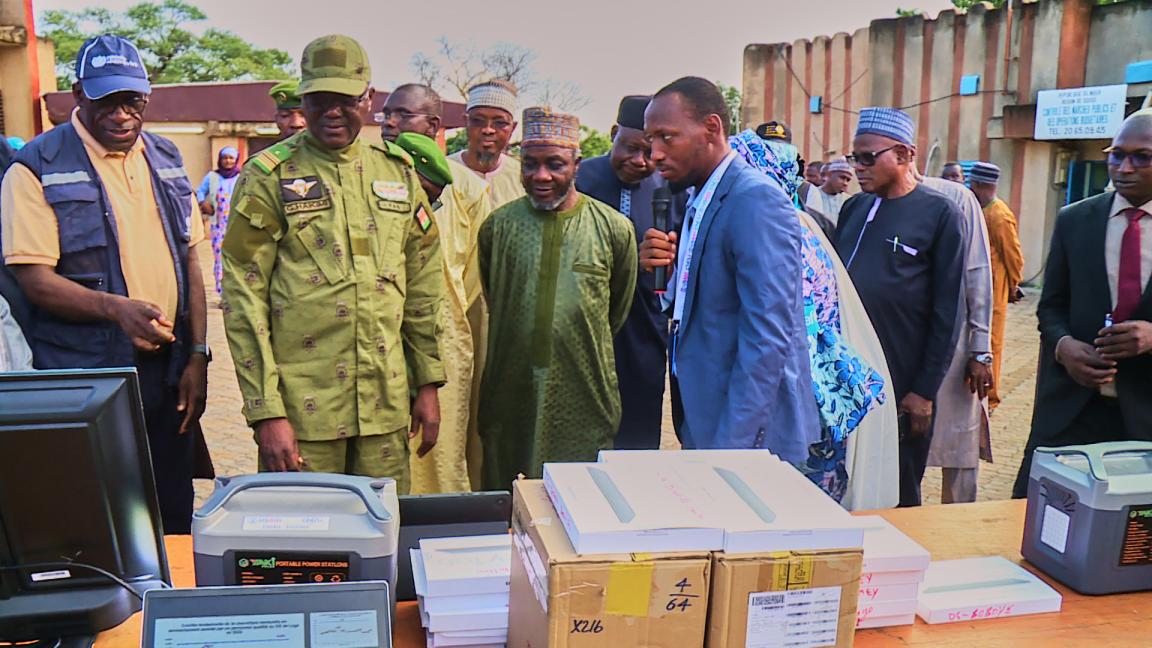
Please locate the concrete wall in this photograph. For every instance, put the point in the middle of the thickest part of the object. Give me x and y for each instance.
(1129, 23)
(916, 63)
(23, 70)
(836, 68)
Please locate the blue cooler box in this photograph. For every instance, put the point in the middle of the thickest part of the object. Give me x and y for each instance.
(1089, 519)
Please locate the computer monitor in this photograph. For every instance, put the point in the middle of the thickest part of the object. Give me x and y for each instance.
(80, 537)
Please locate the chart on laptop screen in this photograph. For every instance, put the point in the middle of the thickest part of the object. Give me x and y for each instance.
(340, 629)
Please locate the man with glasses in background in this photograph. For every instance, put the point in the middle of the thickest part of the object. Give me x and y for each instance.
(1095, 312)
(490, 107)
(460, 209)
(333, 287)
(903, 247)
(100, 227)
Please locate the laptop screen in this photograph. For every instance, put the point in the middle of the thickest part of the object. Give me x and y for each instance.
(344, 615)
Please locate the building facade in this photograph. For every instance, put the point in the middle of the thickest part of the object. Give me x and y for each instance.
(977, 84)
(27, 68)
(202, 118)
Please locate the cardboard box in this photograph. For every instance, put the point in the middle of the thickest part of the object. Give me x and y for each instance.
(796, 598)
(561, 599)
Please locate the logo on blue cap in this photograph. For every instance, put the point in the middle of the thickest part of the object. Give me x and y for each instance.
(109, 64)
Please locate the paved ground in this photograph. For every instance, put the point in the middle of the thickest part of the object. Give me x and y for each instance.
(234, 452)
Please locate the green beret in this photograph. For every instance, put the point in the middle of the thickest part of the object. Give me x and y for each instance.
(284, 94)
(427, 156)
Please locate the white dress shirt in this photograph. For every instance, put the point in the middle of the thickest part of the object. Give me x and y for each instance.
(1117, 225)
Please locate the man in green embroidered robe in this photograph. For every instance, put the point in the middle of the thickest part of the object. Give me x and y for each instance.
(559, 272)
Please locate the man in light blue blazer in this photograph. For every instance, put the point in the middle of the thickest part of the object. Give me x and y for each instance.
(739, 348)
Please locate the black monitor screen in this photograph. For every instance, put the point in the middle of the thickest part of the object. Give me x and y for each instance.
(75, 480)
(54, 504)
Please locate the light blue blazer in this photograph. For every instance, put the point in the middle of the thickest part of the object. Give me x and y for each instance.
(742, 350)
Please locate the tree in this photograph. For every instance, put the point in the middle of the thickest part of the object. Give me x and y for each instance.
(593, 143)
(458, 142)
(171, 52)
(735, 106)
(561, 95)
(457, 66)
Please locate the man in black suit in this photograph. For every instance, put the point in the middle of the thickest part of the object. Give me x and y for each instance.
(1095, 380)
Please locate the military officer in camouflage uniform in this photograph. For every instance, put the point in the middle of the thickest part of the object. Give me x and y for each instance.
(289, 108)
(332, 287)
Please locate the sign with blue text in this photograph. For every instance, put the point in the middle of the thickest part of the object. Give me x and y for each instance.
(1080, 113)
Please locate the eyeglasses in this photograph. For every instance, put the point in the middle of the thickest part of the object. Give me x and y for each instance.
(400, 115)
(1139, 159)
(495, 124)
(323, 102)
(133, 104)
(868, 158)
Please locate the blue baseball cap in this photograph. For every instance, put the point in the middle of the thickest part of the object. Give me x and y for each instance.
(108, 64)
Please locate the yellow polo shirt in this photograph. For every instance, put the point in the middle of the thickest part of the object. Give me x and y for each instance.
(31, 236)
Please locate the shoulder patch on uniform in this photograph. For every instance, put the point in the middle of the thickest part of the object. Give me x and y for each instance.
(395, 151)
(423, 219)
(273, 156)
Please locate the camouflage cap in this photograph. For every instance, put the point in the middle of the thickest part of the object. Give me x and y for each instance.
(285, 95)
(334, 64)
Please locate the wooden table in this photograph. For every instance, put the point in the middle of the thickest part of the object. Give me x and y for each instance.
(952, 531)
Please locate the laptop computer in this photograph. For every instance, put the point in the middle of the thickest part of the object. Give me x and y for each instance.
(446, 516)
(321, 615)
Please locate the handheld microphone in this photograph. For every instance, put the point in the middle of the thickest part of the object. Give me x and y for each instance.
(661, 204)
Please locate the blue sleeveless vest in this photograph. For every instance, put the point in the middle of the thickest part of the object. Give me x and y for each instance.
(90, 249)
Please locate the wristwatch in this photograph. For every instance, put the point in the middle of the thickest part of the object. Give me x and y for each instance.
(983, 358)
(203, 350)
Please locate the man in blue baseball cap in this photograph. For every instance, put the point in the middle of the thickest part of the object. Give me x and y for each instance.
(103, 248)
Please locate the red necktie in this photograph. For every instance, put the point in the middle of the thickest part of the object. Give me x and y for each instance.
(1128, 286)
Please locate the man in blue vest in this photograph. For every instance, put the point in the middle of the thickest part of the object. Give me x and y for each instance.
(99, 227)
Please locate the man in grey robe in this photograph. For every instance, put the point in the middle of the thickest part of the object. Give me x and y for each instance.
(960, 435)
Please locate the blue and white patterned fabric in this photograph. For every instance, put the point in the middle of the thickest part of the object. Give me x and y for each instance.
(887, 122)
(845, 386)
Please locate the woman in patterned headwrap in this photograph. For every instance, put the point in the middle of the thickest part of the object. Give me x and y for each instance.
(215, 196)
(856, 460)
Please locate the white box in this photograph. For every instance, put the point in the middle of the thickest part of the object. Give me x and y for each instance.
(782, 510)
(886, 621)
(468, 565)
(763, 504)
(469, 638)
(443, 604)
(491, 619)
(888, 549)
(885, 608)
(873, 579)
(982, 588)
(884, 593)
(709, 456)
(637, 507)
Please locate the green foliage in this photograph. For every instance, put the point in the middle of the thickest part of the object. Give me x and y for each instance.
(171, 52)
(735, 106)
(593, 143)
(908, 13)
(458, 142)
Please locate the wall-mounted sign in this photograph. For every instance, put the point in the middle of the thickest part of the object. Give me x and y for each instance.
(1080, 113)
